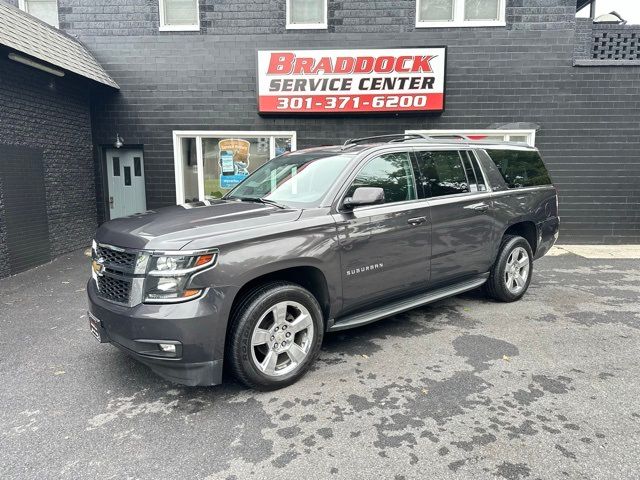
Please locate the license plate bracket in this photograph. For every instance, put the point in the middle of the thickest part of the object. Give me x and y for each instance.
(95, 326)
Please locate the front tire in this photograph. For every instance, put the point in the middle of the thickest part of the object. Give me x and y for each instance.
(511, 273)
(275, 335)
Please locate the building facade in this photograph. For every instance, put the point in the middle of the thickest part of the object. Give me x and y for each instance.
(523, 70)
(47, 173)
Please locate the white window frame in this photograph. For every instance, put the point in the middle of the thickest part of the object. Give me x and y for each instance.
(178, 135)
(458, 17)
(22, 5)
(307, 26)
(507, 134)
(178, 28)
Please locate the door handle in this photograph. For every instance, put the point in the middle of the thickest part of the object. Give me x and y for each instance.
(416, 221)
(110, 202)
(483, 207)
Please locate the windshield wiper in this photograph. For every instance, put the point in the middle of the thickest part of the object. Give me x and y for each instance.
(264, 201)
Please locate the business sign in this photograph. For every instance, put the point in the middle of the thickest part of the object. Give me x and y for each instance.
(351, 81)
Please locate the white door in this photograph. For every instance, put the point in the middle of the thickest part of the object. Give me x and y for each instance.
(125, 178)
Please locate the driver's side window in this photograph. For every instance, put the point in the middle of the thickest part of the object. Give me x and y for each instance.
(393, 173)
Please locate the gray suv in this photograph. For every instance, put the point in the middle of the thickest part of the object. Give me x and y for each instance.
(317, 241)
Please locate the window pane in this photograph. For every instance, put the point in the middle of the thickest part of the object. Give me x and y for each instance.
(137, 167)
(116, 166)
(520, 168)
(436, 10)
(283, 145)
(391, 172)
(45, 10)
(189, 170)
(180, 12)
(228, 161)
(481, 9)
(518, 138)
(307, 11)
(482, 185)
(127, 176)
(294, 179)
(443, 173)
(471, 176)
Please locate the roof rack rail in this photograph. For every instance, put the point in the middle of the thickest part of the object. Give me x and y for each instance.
(396, 137)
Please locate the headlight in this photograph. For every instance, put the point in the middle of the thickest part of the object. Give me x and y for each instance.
(169, 275)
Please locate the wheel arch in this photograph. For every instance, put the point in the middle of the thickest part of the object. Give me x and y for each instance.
(526, 229)
(309, 277)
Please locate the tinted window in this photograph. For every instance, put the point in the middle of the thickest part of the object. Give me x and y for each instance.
(442, 173)
(127, 176)
(391, 172)
(137, 166)
(116, 166)
(482, 185)
(471, 175)
(520, 168)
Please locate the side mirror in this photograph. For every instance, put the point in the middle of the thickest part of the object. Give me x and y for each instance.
(365, 196)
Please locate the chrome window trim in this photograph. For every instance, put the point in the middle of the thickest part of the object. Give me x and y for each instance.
(508, 191)
(477, 163)
(458, 198)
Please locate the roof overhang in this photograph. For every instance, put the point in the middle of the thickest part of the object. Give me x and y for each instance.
(41, 42)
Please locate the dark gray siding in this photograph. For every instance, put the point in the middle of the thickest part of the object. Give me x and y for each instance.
(588, 117)
(51, 114)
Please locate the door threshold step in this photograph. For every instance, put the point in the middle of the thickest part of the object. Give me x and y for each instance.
(399, 306)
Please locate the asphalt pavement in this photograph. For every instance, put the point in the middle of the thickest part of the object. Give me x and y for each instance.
(547, 387)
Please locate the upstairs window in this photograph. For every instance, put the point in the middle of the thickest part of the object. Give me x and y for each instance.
(306, 14)
(460, 13)
(179, 15)
(45, 10)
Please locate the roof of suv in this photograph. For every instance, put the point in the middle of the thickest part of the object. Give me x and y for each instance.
(358, 145)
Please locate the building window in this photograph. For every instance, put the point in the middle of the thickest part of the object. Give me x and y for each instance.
(527, 137)
(306, 14)
(460, 13)
(210, 163)
(45, 10)
(179, 15)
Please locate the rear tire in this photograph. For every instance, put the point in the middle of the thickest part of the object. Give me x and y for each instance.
(511, 273)
(275, 335)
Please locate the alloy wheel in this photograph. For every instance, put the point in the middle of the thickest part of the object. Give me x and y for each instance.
(517, 270)
(282, 338)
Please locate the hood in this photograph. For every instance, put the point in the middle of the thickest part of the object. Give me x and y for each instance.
(172, 228)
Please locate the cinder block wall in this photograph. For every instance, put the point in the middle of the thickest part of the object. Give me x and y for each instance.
(41, 111)
(588, 116)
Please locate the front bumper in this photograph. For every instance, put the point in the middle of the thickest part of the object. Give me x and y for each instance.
(198, 325)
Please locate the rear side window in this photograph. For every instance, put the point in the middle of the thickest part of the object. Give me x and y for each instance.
(520, 168)
(442, 173)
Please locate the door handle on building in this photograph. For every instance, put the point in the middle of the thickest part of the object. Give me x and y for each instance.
(110, 202)
(416, 221)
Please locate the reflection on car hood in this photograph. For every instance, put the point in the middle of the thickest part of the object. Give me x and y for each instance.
(172, 228)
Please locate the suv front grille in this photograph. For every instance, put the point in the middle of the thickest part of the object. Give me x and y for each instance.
(114, 289)
(117, 260)
(116, 281)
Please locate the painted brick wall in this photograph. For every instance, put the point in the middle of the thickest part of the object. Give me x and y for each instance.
(252, 17)
(42, 111)
(588, 117)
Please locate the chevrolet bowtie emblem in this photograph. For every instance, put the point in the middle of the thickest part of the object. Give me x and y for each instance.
(98, 266)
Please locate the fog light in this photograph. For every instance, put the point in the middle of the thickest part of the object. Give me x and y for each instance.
(168, 347)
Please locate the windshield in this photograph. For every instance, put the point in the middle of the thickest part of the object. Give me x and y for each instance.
(300, 180)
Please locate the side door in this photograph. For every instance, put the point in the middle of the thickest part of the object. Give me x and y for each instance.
(461, 220)
(125, 179)
(384, 248)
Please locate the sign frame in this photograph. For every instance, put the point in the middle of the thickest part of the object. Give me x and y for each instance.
(353, 113)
